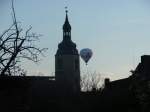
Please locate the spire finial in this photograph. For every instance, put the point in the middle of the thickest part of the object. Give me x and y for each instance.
(66, 26)
(66, 8)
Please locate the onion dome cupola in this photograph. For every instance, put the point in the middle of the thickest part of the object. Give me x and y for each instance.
(67, 47)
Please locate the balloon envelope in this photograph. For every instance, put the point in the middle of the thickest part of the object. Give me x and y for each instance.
(86, 54)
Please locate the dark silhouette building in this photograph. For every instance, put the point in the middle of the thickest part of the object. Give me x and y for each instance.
(67, 62)
(130, 94)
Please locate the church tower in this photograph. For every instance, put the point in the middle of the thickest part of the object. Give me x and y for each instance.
(67, 62)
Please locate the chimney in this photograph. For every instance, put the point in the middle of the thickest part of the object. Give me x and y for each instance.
(107, 81)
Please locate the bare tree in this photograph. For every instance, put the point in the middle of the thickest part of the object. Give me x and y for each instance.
(15, 44)
(91, 81)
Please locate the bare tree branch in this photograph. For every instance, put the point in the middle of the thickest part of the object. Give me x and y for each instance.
(14, 45)
(90, 81)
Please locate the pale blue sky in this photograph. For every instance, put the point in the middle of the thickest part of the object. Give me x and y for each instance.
(116, 30)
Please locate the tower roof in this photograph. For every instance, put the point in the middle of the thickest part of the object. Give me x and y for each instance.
(67, 46)
(66, 26)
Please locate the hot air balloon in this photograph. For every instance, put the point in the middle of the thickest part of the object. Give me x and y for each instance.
(86, 54)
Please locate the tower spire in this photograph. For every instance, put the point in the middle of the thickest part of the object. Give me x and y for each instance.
(66, 15)
(67, 46)
(66, 10)
(66, 27)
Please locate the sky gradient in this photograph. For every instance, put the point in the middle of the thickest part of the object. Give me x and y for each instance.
(116, 30)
